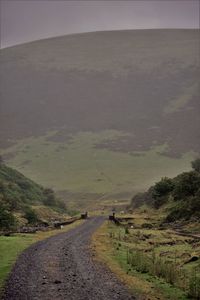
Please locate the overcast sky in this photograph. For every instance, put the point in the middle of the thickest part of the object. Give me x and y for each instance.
(28, 20)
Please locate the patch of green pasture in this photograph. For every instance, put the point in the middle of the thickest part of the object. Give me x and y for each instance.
(78, 166)
(168, 291)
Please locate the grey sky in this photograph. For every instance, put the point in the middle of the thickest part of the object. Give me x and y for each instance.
(28, 20)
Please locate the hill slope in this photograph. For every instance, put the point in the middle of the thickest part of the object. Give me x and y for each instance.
(17, 187)
(18, 195)
(140, 85)
(138, 81)
(179, 196)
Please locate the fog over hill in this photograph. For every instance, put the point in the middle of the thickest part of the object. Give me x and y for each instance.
(142, 83)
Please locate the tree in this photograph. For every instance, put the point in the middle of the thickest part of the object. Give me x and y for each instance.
(186, 184)
(161, 191)
(163, 187)
(196, 165)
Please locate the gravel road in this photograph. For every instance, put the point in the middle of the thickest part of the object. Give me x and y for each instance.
(62, 267)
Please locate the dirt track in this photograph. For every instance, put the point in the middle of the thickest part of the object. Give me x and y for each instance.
(62, 267)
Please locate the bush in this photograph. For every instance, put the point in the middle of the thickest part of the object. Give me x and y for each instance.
(7, 220)
(14, 204)
(163, 187)
(31, 216)
(187, 184)
(161, 190)
(185, 210)
(142, 198)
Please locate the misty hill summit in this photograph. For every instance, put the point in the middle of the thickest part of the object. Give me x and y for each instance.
(98, 103)
(143, 82)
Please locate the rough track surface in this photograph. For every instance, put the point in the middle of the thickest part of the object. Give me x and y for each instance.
(62, 267)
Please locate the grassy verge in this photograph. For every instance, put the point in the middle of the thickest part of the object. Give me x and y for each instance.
(127, 256)
(12, 246)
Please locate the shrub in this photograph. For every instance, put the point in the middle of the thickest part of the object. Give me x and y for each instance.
(161, 190)
(163, 187)
(187, 184)
(7, 220)
(142, 198)
(31, 216)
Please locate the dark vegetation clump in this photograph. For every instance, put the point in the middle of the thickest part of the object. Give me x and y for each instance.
(182, 192)
(18, 194)
(31, 216)
(143, 198)
(7, 220)
(161, 191)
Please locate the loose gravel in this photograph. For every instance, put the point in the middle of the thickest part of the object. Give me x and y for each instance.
(62, 267)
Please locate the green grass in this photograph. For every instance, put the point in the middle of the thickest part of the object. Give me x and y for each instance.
(167, 290)
(77, 166)
(150, 251)
(111, 248)
(10, 248)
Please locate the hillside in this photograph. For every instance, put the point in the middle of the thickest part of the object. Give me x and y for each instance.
(180, 196)
(85, 113)
(157, 244)
(20, 196)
